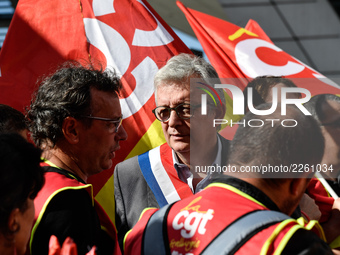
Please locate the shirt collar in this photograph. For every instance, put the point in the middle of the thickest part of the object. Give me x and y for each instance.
(217, 161)
(184, 173)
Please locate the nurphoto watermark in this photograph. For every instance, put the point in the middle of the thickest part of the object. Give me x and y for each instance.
(219, 105)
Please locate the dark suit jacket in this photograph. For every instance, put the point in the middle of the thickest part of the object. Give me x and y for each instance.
(133, 194)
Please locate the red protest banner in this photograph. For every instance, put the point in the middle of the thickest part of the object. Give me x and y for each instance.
(126, 35)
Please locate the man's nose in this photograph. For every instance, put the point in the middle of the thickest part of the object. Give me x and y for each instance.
(121, 134)
(174, 120)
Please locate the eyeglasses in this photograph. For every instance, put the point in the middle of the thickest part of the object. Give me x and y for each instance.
(114, 124)
(184, 111)
(335, 124)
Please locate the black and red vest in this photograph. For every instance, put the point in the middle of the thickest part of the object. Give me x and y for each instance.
(56, 183)
(193, 223)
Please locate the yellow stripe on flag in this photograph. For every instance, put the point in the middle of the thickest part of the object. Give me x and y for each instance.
(152, 138)
(239, 33)
(106, 199)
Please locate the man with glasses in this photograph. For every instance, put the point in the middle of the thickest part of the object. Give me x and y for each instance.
(75, 117)
(244, 212)
(178, 168)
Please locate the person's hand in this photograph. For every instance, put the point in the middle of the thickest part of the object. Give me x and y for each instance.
(336, 251)
(310, 208)
(336, 204)
(69, 247)
(332, 226)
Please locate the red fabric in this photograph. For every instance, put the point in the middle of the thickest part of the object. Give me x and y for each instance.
(42, 34)
(212, 47)
(53, 183)
(133, 239)
(201, 218)
(126, 34)
(325, 202)
(236, 53)
(182, 188)
(68, 248)
(254, 27)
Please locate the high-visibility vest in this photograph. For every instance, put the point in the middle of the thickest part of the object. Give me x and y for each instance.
(192, 225)
(56, 183)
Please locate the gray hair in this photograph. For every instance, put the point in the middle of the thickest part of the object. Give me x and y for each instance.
(182, 67)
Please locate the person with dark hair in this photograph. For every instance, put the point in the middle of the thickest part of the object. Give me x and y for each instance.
(262, 92)
(325, 108)
(262, 88)
(75, 117)
(245, 211)
(167, 173)
(12, 121)
(21, 178)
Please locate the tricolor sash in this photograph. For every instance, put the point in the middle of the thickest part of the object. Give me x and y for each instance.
(159, 172)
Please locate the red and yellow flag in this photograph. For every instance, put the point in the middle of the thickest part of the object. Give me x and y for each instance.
(237, 52)
(127, 35)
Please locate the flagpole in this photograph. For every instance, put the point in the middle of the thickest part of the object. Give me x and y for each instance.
(326, 185)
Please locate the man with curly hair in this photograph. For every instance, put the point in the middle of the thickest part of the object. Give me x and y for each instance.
(75, 117)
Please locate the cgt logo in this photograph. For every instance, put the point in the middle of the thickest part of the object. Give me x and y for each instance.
(238, 100)
(190, 222)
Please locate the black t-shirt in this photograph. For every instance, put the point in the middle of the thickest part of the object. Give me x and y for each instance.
(70, 214)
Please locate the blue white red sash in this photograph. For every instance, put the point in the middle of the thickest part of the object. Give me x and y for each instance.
(160, 174)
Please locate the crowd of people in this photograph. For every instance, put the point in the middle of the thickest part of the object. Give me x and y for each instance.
(163, 205)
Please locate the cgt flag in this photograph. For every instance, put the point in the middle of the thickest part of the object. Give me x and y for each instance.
(127, 35)
(237, 52)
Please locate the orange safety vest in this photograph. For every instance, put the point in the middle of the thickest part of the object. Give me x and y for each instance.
(56, 183)
(195, 222)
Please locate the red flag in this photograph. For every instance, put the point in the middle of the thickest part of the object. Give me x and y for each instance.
(251, 53)
(221, 61)
(127, 35)
(254, 27)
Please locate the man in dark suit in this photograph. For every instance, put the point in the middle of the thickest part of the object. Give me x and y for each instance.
(246, 210)
(193, 152)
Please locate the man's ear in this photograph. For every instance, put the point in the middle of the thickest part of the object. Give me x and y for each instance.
(298, 186)
(13, 221)
(219, 111)
(70, 129)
